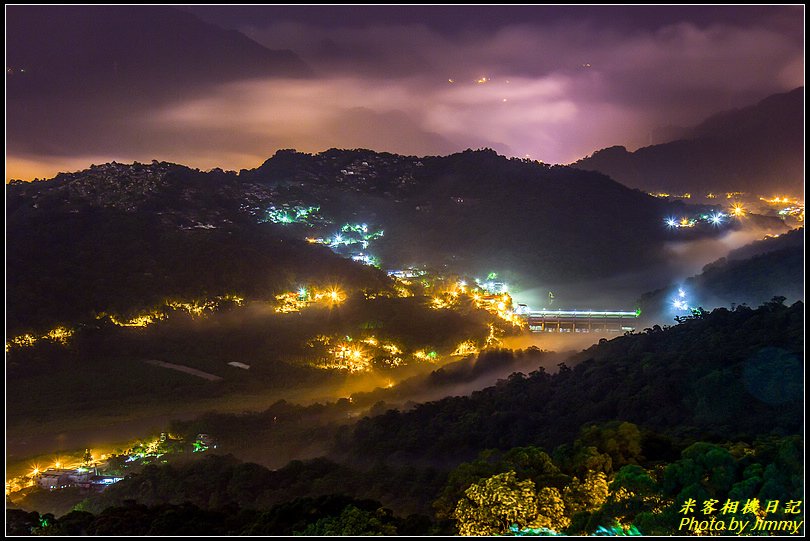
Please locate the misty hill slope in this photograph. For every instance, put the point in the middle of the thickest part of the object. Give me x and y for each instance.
(792, 239)
(758, 149)
(749, 275)
(689, 380)
(678, 385)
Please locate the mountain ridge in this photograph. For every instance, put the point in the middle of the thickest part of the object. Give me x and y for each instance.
(469, 213)
(757, 149)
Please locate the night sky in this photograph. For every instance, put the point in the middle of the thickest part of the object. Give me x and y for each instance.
(550, 83)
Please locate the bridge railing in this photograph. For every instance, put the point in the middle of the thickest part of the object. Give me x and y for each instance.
(579, 320)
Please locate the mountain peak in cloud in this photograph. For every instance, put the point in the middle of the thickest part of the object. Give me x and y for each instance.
(759, 149)
(80, 50)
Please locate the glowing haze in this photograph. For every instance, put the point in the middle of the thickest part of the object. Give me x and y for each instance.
(553, 84)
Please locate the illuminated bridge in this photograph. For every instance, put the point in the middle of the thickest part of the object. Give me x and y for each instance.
(580, 320)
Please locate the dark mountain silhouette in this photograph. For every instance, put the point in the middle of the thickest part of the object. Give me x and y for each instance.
(758, 149)
(478, 210)
(117, 235)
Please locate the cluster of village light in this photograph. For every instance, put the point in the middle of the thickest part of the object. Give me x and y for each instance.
(486, 294)
(145, 450)
(364, 354)
(716, 218)
(291, 215)
(791, 206)
(347, 354)
(352, 236)
(140, 451)
(728, 195)
(494, 297)
(467, 347)
(295, 301)
(141, 320)
(355, 355)
(58, 465)
(195, 308)
(688, 195)
(681, 303)
(345, 242)
(665, 195)
(349, 237)
(360, 355)
(59, 335)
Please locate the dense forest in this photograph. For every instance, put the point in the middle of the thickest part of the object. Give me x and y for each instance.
(640, 426)
(690, 380)
(602, 483)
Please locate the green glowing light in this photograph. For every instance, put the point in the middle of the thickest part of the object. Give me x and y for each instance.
(199, 447)
(297, 214)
